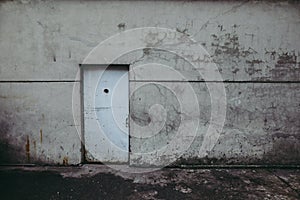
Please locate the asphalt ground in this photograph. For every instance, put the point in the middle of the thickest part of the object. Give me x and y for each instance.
(101, 182)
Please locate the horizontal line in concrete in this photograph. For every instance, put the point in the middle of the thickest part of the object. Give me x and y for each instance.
(40, 81)
(175, 81)
(102, 65)
(213, 81)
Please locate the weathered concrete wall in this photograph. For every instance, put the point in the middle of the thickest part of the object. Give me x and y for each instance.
(44, 41)
(262, 124)
(37, 123)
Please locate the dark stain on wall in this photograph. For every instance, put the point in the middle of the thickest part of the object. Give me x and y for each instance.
(122, 26)
(8, 153)
(285, 149)
(286, 66)
(27, 148)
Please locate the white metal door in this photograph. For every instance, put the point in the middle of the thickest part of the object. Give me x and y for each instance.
(106, 109)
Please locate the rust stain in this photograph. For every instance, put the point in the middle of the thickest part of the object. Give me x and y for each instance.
(65, 161)
(41, 136)
(34, 146)
(27, 148)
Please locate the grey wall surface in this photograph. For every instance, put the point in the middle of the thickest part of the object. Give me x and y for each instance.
(256, 45)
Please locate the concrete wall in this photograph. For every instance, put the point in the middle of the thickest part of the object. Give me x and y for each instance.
(256, 46)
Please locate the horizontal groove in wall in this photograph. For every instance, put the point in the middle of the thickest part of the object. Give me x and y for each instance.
(74, 81)
(214, 81)
(42, 81)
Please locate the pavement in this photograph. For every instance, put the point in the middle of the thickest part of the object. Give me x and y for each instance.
(102, 182)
